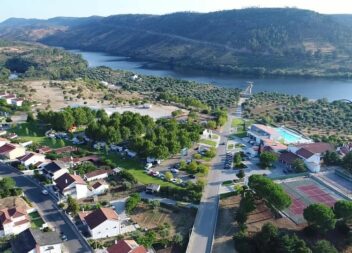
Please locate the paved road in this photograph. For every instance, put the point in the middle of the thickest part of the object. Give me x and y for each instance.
(205, 223)
(47, 208)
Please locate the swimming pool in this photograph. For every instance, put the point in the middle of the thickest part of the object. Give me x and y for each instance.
(290, 137)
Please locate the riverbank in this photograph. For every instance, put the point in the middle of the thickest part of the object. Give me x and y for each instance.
(313, 88)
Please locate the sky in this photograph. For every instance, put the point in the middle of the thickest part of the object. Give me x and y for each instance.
(83, 8)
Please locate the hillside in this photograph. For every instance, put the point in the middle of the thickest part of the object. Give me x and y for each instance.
(248, 41)
(35, 61)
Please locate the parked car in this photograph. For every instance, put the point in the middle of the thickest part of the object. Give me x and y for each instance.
(45, 192)
(192, 176)
(155, 173)
(173, 170)
(148, 166)
(63, 236)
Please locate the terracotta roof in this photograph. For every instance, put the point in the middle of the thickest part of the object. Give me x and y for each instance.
(98, 184)
(7, 214)
(67, 179)
(44, 150)
(83, 214)
(304, 153)
(318, 147)
(92, 158)
(9, 96)
(7, 148)
(288, 157)
(266, 129)
(274, 145)
(100, 215)
(26, 157)
(97, 173)
(65, 150)
(126, 246)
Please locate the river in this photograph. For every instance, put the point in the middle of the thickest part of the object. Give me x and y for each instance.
(313, 88)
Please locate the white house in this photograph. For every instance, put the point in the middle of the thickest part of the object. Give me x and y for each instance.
(54, 170)
(72, 185)
(311, 153)
(101, 223)
(12, 151)
(3, 141)
(207, 133)
(97, 174)
(13, 215)
(8, 98)
(259, 132)
(17, 102)
(36, 241)
(31, 159)
(99, 188)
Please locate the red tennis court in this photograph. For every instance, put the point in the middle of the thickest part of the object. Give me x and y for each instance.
(297, 206)
(317, 194)
(306, 191)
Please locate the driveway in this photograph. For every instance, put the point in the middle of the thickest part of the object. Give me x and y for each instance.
(48, 209)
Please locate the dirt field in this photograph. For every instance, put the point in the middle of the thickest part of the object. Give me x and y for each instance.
(60, 94)
(226, 226)
(179, 220)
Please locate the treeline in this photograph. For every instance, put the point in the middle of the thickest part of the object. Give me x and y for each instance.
(69, 117)
(334, 118)
(139, 133)
(191, 193)
(158, 139)
(321, 219)
(34, 61)
(188, 93)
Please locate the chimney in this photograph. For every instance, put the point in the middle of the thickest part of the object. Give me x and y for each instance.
(66, 181)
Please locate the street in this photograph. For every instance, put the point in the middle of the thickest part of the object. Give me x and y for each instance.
(204, 226)
(47, 208)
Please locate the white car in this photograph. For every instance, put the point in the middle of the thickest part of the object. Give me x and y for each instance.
(45, 192)
(173, 170)
(148, 166)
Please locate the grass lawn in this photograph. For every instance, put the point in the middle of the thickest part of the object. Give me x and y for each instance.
(34, 215)
(241, 126)
(208, 142)
(32, 132)
(135, 167)
(36, 220)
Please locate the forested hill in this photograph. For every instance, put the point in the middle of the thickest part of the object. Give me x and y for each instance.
(280, 41)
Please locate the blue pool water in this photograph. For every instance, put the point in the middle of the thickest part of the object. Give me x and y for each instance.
(289, 137)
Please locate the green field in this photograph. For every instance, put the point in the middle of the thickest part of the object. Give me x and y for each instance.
(241, 126)
(136, 168)
(36, 220)
(208, 142)
(32, 132)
